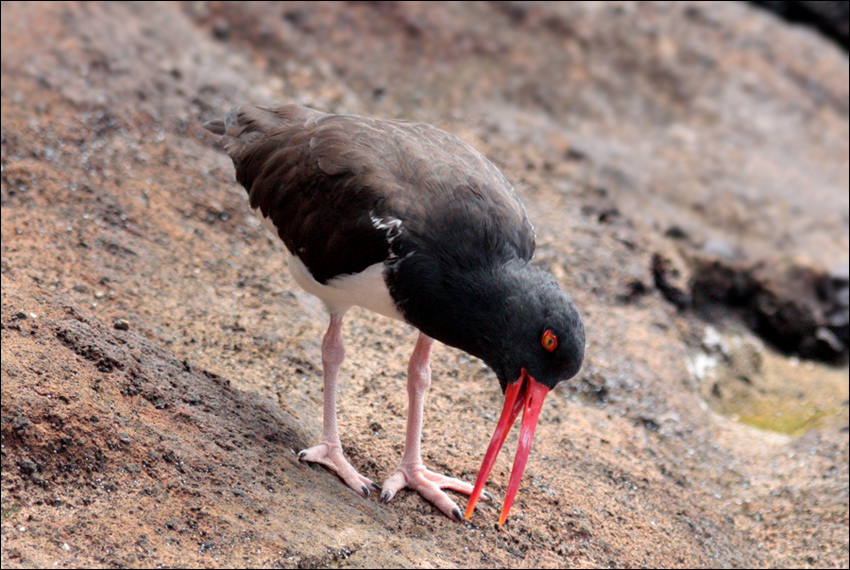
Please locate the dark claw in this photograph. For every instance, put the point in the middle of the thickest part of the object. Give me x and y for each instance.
(376, 486)
(488, 495)
(456, 513)
(386, 496)
(365, 490)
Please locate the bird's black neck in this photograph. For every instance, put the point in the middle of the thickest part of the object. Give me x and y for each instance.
(472, 307)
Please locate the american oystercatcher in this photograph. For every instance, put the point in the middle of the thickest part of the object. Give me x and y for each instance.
(408, 221)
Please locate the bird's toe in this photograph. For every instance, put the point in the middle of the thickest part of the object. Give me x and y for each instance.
(451, 483)
(331, 456)
(393, 485)
(428, 484)
(440, 499)
(355, 480)
(315, 454)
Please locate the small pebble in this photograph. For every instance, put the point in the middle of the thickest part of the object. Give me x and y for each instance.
(121, 325)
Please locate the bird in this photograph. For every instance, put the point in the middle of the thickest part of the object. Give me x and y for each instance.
(408, 221)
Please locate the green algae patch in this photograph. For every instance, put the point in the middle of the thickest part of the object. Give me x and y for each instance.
(750, 383)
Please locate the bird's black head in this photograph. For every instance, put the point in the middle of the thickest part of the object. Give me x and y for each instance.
(537, 340)
(540, 331)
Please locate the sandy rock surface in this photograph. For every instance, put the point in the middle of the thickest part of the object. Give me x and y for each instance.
(685, 166)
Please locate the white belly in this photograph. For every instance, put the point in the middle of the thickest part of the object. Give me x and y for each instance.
(366, 289)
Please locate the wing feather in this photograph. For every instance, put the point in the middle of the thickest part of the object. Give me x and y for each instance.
(324, 180)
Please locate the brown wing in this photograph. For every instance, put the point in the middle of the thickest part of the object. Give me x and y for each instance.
(334, 186)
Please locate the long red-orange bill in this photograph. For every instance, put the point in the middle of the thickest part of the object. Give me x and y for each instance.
(535, 394)
(525, 393)
(514, 401)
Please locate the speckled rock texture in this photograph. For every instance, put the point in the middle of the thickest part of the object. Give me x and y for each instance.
(685, 165)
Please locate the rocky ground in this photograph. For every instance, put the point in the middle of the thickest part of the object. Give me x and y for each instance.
(685, 166)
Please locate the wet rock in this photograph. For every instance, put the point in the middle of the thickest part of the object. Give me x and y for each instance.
(742, 378)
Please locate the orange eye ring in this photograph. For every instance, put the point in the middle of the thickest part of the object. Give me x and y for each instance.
(549, 341)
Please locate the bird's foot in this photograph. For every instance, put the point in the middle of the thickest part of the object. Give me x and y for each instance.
(331, 456)
(430, 485)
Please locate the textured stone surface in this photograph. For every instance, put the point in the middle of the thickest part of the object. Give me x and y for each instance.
(706, 136)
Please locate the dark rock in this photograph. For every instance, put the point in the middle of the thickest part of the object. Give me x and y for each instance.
(635, 289)
(794, 307)
(221, 29)
(675, 232)
(666, 278)
(27, 467)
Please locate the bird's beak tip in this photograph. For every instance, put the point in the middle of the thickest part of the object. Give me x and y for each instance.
(525, 394)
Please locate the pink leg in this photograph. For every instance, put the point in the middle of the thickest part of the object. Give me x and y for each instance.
(411, 473)
(329, 451)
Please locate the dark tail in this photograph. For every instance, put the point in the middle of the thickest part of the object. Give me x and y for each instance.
(245, 124)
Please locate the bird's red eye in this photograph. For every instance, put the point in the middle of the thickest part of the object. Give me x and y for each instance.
(549, 341)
